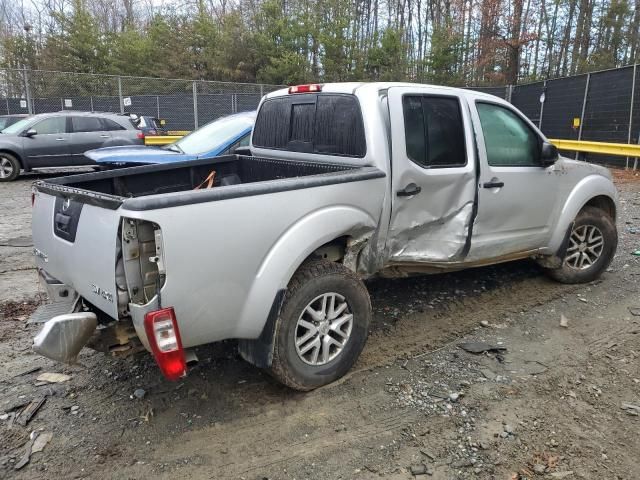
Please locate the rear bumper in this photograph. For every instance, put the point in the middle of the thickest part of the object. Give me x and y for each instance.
(63, 336)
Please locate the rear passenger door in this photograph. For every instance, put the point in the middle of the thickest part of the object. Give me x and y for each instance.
(87, 133)
(433, 176)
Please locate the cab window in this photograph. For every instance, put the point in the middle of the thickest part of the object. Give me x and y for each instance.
(508, 140)
(434, 132)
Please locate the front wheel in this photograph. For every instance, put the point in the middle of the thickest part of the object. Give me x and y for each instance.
(592, 245)
(322, 326)
(9, 167)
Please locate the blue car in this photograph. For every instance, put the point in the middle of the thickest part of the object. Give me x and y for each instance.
(220, 137)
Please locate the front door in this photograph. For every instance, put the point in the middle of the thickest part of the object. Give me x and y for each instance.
(432, 176)
(49, 147)
(517, 198)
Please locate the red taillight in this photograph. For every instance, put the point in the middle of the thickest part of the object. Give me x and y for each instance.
(164, 339)
(140, 135)
(313, 87)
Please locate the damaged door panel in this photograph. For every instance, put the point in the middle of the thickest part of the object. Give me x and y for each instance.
(433, 177)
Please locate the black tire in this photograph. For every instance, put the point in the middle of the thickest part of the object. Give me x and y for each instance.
(9, 167)
(311, 281)
(589, 217)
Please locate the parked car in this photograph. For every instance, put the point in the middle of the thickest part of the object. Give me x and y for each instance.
(60, 140)
(8, 120)
(150, 126)
(222, 136)
(345, 181)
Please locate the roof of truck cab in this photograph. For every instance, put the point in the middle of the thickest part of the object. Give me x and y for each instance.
(351, 87)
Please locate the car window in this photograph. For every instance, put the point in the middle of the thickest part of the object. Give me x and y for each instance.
(110, 125)
(434, 132)
(245, 141)
(508, 140)
(50, 126)
(86, 124)
(18, 127)
(3, 123)
(214, 135)
(312, 123)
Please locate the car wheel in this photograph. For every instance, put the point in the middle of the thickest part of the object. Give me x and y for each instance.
(322, 326)
(592, 244)
(9, 167)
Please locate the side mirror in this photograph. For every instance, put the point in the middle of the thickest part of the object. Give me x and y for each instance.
(548, 155)
(30, 133)
(246, 151)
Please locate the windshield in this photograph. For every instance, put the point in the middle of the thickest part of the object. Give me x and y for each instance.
(213, 135)
(17, 127)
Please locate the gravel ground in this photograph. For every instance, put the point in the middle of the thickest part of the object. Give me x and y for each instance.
(559, 402)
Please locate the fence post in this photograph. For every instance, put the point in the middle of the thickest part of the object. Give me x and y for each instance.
(633, 93)
(91, 102)
(158, 106)
(544, 92)
(120, 94)
(7, 99)
(261, 90)
(195, 105)
(509, 93)
(27, 90)
(584, 106)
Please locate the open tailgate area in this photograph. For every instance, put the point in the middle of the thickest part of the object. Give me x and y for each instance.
(77, 244)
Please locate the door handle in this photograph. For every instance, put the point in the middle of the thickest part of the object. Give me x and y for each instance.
(409, 191)
(60, 139)
(493, 185)
(105, 136)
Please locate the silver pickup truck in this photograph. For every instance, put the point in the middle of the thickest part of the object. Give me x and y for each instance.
(342, 182)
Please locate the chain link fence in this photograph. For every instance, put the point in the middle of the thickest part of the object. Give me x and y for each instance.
(184, 104)
(600, 106)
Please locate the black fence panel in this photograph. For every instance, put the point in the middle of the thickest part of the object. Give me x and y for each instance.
(247, 101)
(606, 117)
(106, 104)
(177, 110)
(527, 99)
(563, 103)
(212, 106)
(635, 123)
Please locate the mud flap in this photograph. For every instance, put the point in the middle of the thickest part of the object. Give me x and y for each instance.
(259, 352)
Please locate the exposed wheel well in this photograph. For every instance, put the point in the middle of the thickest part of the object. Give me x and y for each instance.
(604, 203)
(333, 251)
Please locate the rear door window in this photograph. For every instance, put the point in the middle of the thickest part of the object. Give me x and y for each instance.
(86, 124)
(434, 132)
(316, 123)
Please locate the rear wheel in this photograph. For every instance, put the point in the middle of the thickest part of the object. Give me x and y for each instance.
(322, 326)
(9, 167)
(592, 245)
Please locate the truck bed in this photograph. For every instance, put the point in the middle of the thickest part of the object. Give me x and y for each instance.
(159, 186)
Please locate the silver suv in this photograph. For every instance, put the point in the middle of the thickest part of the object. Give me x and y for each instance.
(60, 140)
